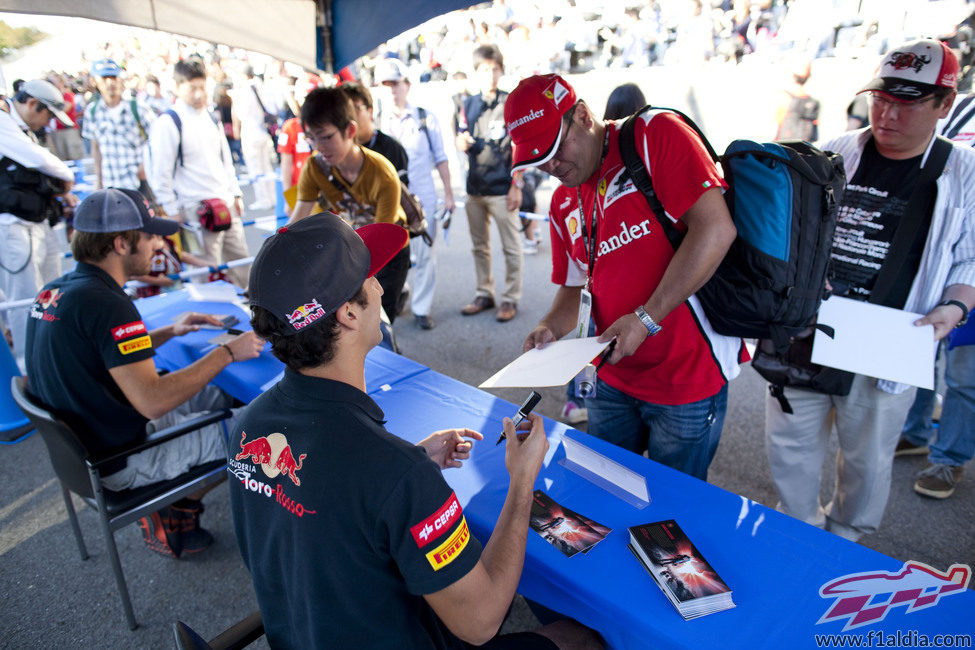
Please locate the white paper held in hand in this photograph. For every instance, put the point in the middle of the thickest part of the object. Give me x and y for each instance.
(553, 365)
(875, 341)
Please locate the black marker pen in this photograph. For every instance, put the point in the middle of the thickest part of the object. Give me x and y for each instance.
(523, 412)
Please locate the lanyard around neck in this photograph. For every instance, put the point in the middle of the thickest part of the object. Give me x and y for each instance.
(589, 226)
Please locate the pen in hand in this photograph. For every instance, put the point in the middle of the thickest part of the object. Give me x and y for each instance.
(523, 412)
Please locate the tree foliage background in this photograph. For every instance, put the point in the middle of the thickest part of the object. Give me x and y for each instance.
(13, 38)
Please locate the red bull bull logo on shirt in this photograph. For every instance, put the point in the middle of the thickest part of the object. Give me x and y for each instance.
(306, 314)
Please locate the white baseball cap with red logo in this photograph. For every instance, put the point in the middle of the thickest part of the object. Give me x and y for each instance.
(915, 70)
(533, 115)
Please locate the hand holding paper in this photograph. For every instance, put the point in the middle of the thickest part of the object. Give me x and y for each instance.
(876, 341)
(553, 365)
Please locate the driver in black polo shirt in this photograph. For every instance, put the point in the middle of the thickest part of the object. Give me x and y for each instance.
(89, 358)
(352, 536)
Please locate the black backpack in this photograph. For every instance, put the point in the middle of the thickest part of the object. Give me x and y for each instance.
(783, 198)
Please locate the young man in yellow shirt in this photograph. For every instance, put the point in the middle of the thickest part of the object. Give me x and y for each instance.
(359, 185)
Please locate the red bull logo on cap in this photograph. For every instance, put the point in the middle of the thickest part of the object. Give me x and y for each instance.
(306, 314)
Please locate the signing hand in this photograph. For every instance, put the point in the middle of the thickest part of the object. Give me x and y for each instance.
(448, 448)
(524, 452)
(246, 346)
(191, 322)
(629, 332)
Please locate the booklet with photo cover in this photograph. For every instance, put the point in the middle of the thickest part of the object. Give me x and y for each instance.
(679, 569)
(564, 529)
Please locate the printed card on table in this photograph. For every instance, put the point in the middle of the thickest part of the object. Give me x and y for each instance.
(564, 529)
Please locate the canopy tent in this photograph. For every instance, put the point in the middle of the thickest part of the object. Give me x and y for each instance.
(318, 34)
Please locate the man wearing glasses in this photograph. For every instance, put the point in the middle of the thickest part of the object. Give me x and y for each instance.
(885, 164)
(31, 181)
(665, 388)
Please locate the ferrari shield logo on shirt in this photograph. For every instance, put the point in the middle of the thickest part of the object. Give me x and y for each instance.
(451, 548)
(304, 315)
(438, 523)
(134, 345)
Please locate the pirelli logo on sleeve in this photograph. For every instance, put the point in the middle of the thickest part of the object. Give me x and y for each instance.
(451, 548)
(134, 345)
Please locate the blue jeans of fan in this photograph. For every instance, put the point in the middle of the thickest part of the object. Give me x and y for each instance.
(954, 443)
(683, 436)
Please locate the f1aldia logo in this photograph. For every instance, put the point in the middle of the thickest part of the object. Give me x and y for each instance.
(865, 598)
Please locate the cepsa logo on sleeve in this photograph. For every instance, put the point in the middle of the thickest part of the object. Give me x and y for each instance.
(128, 330)
(123, 337)
(438, 523)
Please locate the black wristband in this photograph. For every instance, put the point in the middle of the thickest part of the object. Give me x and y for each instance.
(961, 306)
(226, 347)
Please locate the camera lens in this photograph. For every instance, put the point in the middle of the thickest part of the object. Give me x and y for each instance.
(585, 389)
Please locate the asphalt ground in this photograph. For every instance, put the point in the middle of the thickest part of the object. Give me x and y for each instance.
(49, 598)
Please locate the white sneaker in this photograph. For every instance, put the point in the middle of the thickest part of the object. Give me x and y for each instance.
(529, 247)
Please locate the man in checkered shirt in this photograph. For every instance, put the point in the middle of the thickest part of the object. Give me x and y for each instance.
(116, 129)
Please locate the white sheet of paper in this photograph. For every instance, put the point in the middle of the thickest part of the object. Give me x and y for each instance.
(876, 341)
(553, 365)
(215, 292)
(606, 468)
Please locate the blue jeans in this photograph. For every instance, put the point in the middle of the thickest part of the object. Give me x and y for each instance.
(955, 442)
(684, 436)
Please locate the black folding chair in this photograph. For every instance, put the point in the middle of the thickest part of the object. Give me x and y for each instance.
(80, 473)
(239, 635)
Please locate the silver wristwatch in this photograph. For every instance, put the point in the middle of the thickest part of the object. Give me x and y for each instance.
(648, 322)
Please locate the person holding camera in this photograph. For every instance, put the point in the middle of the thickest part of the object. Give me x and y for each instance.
(32, 179)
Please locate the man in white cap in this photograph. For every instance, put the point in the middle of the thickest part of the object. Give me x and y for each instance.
(32, 180)
(905, 238)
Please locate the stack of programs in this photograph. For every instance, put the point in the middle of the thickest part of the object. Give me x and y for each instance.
(679, 569)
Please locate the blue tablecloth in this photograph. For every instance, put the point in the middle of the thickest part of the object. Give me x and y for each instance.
(774, 564)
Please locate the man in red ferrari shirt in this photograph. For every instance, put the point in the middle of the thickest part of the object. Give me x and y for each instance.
(664, 389)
